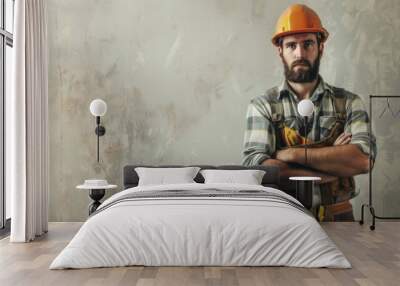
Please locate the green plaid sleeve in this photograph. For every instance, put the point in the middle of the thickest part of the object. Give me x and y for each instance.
(259, 137)
(357, 124)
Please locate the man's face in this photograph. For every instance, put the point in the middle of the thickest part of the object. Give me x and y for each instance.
(301, 55)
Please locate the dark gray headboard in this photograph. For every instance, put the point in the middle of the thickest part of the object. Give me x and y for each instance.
(270, 179)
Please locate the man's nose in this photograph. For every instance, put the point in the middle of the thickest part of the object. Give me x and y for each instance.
(299, 52)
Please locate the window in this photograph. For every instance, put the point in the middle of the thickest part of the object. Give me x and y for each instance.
(6, 61)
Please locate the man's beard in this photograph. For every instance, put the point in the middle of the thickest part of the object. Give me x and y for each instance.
(302, 75)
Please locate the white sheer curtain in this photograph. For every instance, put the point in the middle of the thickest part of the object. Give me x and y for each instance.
(27, 123)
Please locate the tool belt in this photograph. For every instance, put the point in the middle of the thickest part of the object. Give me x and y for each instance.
(336, 212)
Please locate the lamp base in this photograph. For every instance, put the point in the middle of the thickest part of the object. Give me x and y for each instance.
(96, 195)
(304, 193)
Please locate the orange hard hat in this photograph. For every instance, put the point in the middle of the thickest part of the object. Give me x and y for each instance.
(297, 19)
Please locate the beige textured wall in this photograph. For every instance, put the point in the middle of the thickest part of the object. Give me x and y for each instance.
(177, 76)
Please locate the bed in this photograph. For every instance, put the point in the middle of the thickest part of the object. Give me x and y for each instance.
(201, 224)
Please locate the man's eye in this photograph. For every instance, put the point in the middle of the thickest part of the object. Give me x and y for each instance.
(308, 44)
(292, 46)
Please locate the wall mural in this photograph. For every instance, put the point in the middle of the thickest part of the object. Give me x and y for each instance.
(178, 77)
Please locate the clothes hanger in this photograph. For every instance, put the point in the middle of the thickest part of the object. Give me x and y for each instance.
(388, 107)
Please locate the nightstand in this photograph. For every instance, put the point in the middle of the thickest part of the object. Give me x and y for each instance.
(97, 189)
(304, 189)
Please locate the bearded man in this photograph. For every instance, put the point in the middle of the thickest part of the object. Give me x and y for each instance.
(337, 138)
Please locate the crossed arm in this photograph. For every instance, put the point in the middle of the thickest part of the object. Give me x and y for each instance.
(287, 170)
(341, 160)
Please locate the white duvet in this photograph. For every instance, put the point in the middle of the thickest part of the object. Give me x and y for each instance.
(200, 231)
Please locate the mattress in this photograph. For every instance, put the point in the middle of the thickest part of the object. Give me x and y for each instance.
(201, 225)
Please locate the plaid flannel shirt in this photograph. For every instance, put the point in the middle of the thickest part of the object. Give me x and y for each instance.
(260, 138)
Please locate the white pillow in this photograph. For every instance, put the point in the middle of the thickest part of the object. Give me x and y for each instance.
(163, 176)
(248, 177)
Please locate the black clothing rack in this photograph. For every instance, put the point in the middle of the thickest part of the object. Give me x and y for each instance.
(369, 205)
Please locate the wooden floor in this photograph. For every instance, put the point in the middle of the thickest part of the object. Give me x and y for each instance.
(375, 256)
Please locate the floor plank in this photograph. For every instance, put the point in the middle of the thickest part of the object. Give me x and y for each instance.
(375, 257)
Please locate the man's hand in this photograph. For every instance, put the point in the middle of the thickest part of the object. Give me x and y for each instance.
(285, 155)
(343, 139)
